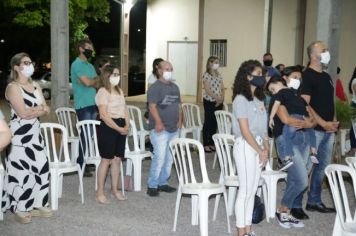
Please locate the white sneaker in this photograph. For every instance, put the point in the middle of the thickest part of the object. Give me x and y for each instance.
(295, 222)
(283, 219)
(314, 159)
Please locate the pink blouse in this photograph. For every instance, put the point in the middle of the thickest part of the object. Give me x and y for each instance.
(116, 106)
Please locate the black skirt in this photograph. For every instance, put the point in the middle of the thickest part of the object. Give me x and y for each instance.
(111, 143)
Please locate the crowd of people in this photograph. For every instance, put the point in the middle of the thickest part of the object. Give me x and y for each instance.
(295, 106)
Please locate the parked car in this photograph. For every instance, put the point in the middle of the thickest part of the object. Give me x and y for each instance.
(45, 82)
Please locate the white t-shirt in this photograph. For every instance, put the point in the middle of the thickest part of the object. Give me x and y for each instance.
(151, 79)
(353, 91)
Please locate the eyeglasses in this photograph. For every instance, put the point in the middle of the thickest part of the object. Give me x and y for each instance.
(115, 74)
(27, 63)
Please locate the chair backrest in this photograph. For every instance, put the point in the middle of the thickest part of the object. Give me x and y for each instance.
(191, 115)
(335, 173)
(351, 161)
(133, 131)
(225, 106)
(136, 116)
(182, 156)
(224, 144)
(48, 131)
(89, 138)
(224, 121)
(68, 118)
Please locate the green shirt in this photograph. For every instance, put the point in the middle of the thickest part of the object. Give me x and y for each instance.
(84, 96)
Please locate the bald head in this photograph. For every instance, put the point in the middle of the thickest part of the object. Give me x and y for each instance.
(315, 49)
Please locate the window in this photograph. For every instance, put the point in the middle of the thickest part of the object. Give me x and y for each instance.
(218, 47)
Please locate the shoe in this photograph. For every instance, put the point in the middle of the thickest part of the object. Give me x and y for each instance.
(295, 222)
(286, 163)
(42, 212)
(87, 173)
(166, 188)
(207, 149)
(23, 217)
(152, 192)
(212, 148)
(252, 233)
(320, 207)
(299, 214)
(314, 158)
(283, 219)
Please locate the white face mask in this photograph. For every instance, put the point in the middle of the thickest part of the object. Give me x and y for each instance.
(293, 83)
(115, 80)
(325, 58)
(27, 71)
(215, 66)
(167, 75)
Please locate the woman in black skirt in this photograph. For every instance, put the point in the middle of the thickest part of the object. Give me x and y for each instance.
(112, 132)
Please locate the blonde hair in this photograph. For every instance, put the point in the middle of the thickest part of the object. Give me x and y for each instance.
(16, 61)
(105, 78)
(210, 60)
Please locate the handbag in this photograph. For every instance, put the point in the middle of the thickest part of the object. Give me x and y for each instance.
(128, 183)
(258, 211)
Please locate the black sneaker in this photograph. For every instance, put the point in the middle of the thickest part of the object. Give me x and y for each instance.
(295, 222)
(314, 158)
(283, 219)
(166, 188)
(152, 192)
(286, 163)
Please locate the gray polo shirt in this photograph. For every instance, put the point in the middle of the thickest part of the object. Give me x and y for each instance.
(167, 99)
(254, 111)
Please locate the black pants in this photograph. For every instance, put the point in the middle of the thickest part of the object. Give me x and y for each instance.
(210, 125)
(352, 133)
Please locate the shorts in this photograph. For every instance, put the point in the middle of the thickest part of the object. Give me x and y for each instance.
(111, 143)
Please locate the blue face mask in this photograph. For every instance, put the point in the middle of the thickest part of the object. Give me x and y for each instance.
(258, 81)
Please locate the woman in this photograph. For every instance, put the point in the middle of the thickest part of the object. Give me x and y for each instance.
(112, 131)
(5, 133)
(153, 77)
(213, 99)
(352, 90)
(290, 213)
(251, 146)
(27, 169)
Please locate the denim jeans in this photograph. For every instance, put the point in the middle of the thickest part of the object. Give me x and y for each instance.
(289, 132)
(86, 113)
(162, 159)
(325, 143)
(297, 178)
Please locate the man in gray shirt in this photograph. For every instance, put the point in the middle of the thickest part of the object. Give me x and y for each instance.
(165, 120)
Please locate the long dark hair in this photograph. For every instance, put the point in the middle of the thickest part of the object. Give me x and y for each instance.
(352, 78)
(242, 85)
(155, 66)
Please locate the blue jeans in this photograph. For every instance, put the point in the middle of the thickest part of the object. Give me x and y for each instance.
(297, 178)
(86, 113)
(325, 143)
(289, 132)
(162, 159)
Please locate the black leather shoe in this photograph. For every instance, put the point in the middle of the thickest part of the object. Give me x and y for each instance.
(320, 207)
(166, 188)
(299, 214)
(152, 192)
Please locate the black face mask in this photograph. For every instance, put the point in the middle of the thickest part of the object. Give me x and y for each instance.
(267, 62)
(88, 53)
(258, 81)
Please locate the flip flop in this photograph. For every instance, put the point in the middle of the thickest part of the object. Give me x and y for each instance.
(42, 212)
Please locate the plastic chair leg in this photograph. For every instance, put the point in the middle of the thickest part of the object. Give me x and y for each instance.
(231, 199)
(195, 209)
(74, 150)
(227, 213)
(142, 141)
(203, 214)
(214, 162)
(137, 165)
(179, 197)
(60, 186)
(80, 176)
(216, 206)
(271, 184)
(265, 200)
(129, 165)
(54, 189)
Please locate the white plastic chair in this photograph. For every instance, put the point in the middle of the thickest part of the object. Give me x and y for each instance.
(134, 158)
(191, 121)
(59, 166)
(136, 116)
(228, 176)
(2, 173)
(271, 178)
(200, 191)
(351, 161)
(90, 146)
(224, 122)
(68, 118)
(345, 220)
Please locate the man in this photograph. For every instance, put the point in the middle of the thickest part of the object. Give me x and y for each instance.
(83, 81)
(165, 120)
(267, 62)
(318, 91)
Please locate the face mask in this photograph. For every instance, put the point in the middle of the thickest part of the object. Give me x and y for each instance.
(115, 80)
(215, 66)
(294, 83)
(167, 75)
(325, 58)
(27, 71)
(258, 81)
(267, 62)
(88, 53)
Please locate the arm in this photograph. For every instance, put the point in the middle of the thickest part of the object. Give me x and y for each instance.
(5, 134)
(154, 112)
(88, 82)
(222, 92)
(103, 111)
(180, 118)
(274, 109)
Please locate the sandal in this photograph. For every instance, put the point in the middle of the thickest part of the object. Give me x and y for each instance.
(119, 196)
(102, 199)
(207, 149)
(42, 212)
(23, 217)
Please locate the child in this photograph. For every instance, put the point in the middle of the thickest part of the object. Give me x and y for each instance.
(297, 108)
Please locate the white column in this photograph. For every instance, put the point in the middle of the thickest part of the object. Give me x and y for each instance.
(267, 25)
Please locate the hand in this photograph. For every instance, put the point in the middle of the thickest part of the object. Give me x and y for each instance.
(124, 130)
(159, 127)
(308, 123)
(331, 126)
(271, 123)
(296, 123)
(263, 155)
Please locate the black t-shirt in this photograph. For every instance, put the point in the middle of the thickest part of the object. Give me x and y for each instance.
(290, 98)
(320, 88)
